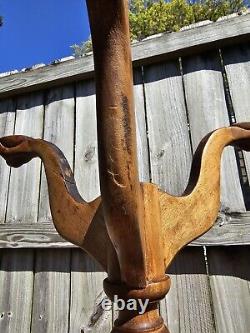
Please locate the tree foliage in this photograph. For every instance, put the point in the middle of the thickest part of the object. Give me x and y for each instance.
(149, 17)
(82, 48)
(1, 21)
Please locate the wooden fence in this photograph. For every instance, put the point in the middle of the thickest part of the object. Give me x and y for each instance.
(186, 84)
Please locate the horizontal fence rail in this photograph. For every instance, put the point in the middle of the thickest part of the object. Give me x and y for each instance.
(228, 230)
(152, 50)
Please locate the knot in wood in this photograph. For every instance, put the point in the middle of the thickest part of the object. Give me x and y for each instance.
(160, 154)
(88, 156)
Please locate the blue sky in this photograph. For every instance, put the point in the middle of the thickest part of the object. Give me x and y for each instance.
(40, 31)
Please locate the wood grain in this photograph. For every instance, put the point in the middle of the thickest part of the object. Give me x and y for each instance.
(24, 182)
(149, 51)
(47, 77)
(71, 214)
(58, 129)
(237, 67)
(86, 149)
(52, 273)
(17, 266)
(86, 313)
(189, 42)
(50, 312)
(229, 277)
(169, 145)
(141, 127)
(188, 306)
(87, 294)
(118, 167)
(187, 217)
(39, 235)
(16, 290)
(229, 230)
(7, 123)
(207, 111)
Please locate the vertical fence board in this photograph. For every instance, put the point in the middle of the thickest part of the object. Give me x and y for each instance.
(237, 66)
(188, 304)
(7, 123)
(24, 181)
(52, 274)
(86, 296)
(170, 153)
(207, 111)
(16, 291)
(230, 283)
(86, 275)
(58, 129)
(51, 292)
(141, 127)
(86, 149)
(17, 266)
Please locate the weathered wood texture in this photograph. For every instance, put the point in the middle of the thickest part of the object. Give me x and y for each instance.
(86, 289)
(24, 185)
(37, 235)
(50, 310)
(237, 67)
(86, 149)
(141, 126)
(200, 300)
(7, 123)
(86, 296)
(230, 281)
(52, 271)
(230, 229)
(22, 205)
(188, 307)
(59, 129)
(151, 50)
(207, 110)
(64, 295)
(167, 127)
(16, 285)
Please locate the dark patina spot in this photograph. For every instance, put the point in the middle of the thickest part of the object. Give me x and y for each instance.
(126, 124)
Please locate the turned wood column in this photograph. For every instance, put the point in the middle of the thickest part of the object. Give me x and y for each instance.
(120, 187)
(133, 321)
(131, 209)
